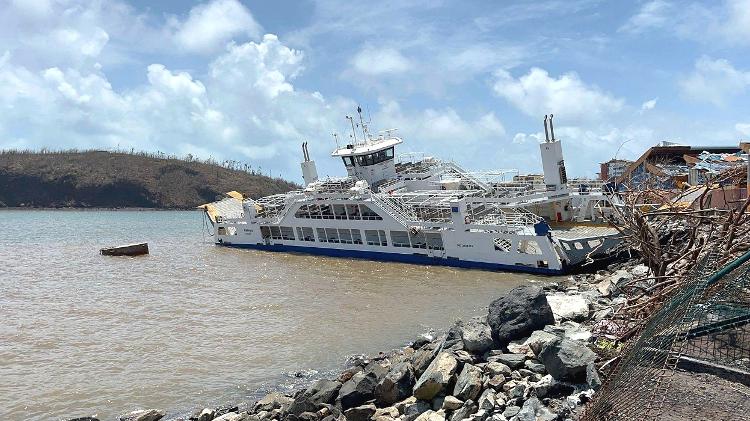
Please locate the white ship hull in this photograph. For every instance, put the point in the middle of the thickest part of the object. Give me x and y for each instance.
(423, 211)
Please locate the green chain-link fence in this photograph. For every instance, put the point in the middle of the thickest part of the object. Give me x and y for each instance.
(692, 356)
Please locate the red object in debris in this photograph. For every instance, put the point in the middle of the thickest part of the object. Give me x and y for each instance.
(559, 217)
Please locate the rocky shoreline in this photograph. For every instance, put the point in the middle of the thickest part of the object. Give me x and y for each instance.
(532, 357)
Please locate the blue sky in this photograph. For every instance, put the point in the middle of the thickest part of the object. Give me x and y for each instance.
(467, 81)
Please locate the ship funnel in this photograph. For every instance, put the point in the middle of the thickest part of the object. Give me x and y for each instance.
(546, 132)
(309, 171)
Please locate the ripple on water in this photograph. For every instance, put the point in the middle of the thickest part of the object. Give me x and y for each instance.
(193, 324)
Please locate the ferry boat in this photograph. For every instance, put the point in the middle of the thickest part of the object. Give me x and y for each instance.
(422, 210)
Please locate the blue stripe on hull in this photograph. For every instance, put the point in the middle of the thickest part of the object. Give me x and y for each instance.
(395, 257)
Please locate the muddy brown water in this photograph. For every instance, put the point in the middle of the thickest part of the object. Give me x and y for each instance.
(193, 324)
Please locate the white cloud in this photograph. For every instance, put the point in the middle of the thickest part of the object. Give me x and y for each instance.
(209, 26)
(649, 105)
(442, 131)
(380, 61)
(521, 138)
(743, 128)
(714, 81)
(537, 94)
(264, 66)
(653, 14)
(726, 22)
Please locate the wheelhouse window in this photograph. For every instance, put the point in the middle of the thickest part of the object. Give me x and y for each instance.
(374, 158)
(348, 161)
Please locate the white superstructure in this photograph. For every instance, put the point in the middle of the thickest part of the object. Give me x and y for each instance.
(423, 210)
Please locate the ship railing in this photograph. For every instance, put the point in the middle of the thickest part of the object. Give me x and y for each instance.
(465, 176)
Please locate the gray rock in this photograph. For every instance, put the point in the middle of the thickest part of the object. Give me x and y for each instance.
(358, 390)
(463, 357)
(451, 403)
(567, 360)
(543, 386)
(207, 414)
(513, 361)
(494, 368)
(437, 403)
(415, 409)
(535, 366)
(533, 410)
(487, 401)
(437, 376)
(538, 339)
(360, 413)
(144, 415)
(423, 357)
(273, 401)
(431, 416)
(518, 391)
(477, 336)
(568, 307)
(521, 311)
(468, 408)
(468, 383)
(233, 416)
(496, 382)
(396, 385)
(511, 411)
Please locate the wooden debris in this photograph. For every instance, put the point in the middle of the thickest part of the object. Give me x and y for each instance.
(126, 250)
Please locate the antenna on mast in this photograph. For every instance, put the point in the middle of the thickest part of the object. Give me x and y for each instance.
(354, 132)
(362, 123)
(336, 139)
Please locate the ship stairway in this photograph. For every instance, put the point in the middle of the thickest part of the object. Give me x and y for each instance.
(398, 212)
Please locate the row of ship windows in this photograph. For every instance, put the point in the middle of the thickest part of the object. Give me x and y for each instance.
(432, 241)
(350, 212)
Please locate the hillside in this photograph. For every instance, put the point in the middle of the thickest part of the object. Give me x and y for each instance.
(118, 180)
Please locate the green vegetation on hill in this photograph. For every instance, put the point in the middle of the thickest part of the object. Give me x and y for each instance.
(119, 179)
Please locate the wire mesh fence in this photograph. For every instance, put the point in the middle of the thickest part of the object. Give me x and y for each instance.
(692, 357)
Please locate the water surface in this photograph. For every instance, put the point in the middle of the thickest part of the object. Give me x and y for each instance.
(192, 323)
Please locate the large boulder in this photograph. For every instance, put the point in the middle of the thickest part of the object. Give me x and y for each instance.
(144, 415)
(423, 357)
(468, 383)
(437, 376)
(567, 360)
(396, 385)
(521, 311)
(320, 392)
(477, 336)
(358, 390)
(568, 307)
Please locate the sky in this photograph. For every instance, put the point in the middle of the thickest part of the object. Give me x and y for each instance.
(465, 81)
